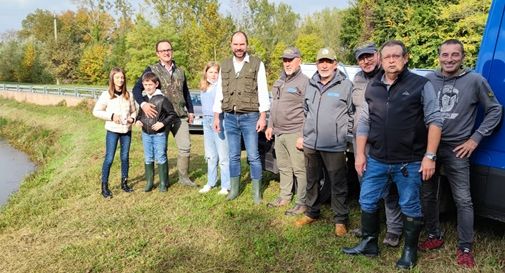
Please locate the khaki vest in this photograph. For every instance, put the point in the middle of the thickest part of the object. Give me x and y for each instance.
(240, 90)
(172, 87)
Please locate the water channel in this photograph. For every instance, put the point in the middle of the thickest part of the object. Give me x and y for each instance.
(14, 167)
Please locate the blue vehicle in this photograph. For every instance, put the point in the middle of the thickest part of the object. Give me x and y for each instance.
(488, 162)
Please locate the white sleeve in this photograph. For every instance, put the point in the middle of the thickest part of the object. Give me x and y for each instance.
(100, 109)
(216, 108)
(263, 97)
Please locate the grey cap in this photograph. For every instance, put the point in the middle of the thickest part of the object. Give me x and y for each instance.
(368, 48)
(291, 53)
(326, 53)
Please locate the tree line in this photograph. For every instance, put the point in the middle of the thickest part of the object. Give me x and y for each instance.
(102, 34)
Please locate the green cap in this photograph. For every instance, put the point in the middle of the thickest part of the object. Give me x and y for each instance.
(326, 53)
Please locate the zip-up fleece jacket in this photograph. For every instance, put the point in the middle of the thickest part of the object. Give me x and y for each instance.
(328, 117)
(166, 113)
(458, 97)
(105, 107)
(286, 112)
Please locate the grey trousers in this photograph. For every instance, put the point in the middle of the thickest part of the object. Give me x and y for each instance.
(180, 131)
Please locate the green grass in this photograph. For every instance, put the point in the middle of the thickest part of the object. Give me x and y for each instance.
(58, 221)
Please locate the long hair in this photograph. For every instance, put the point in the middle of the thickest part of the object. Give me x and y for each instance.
(112, 87)
(204, 84)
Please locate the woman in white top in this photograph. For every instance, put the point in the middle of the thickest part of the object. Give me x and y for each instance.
(116, 106)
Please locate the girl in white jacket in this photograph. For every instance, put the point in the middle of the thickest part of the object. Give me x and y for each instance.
(117, 107)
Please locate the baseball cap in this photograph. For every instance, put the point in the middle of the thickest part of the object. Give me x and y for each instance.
(326, 53)
(291, 53)
(368, 48)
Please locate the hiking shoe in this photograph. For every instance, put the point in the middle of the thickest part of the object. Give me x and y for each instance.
(340, 230)
(296, 210)
(305, 220)
(223, 192)
(391, 239)
(432, 242)
(205, 189)
(277, 203)
(464, 257)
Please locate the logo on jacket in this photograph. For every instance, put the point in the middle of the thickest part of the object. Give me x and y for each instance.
(405, 93)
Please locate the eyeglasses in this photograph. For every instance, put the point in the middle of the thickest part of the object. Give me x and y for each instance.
(366, 58)
(393, 57)
(164, 50)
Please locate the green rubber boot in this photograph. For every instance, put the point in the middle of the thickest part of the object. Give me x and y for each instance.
(235, 187)
(163, 172)
(256, 191)
(149, 176)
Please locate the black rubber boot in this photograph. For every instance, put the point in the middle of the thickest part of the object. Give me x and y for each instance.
(411, 229)
(256, 191)
(369, 239)
(163, 173)
(234, 188)
(149, 177)
(124, 185)
(105, 190)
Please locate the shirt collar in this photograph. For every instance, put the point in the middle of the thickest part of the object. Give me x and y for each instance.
(246, 59)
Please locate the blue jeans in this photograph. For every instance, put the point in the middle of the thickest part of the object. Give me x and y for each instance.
(237, 125)
(216, 150)
(155, 147)
(111, 140)
(375, 186)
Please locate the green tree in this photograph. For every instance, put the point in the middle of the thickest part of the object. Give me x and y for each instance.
(62, 58)
(92, 64)
(11, 56)
(275, 67)
(309, 44)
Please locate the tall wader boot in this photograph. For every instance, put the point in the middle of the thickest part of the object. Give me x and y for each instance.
(256, 191)
(369, 239)
(124, 185)
(149, 176)
(411, 229)
(163, 172)
(105, 190)
(234, 187)
(182, 167)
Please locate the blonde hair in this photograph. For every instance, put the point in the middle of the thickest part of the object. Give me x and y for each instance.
(112, 87)
(204, 84)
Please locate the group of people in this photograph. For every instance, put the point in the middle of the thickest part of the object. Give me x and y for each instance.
(403, 127)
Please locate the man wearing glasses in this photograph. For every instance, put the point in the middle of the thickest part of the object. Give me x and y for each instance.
(369, 62)
(174, 87)
(401, 124)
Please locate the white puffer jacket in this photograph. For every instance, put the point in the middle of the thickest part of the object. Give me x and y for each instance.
(105, 107)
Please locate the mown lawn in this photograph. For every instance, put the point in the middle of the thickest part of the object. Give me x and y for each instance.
(58, 221)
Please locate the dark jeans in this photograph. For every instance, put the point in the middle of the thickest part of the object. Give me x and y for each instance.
(457, 171)
(111, 140)
(335, 182)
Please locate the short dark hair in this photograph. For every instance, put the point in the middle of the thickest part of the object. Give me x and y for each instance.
(240, 32)
(150, 76)
(395, 43)
(452, 42)
(163, 41)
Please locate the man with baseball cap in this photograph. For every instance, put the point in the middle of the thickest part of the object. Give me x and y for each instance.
(286, 123)
(368, 60)
(327, 106)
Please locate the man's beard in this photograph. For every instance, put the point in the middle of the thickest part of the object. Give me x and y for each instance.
(239, 51)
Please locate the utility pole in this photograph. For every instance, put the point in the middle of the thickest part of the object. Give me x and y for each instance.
(55, 39)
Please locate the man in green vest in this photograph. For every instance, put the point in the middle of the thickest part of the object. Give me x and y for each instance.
(174, 87)
(242, 94)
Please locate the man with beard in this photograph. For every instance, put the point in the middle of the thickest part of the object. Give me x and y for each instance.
(286, 123)
(368, 60)
(242, 94)
(173, 85)
(460, 91)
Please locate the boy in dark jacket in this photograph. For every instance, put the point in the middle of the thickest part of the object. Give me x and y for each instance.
(154, 137)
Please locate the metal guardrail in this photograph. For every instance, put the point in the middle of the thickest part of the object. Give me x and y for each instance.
(82, 92)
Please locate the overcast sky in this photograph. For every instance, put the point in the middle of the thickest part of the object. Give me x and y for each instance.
(12, 12)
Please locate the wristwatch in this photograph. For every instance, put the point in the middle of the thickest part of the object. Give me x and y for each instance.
(431, 156)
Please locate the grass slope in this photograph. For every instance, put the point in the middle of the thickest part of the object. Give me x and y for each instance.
(58, 221)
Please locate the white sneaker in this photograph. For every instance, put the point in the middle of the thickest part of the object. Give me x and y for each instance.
(223, 191)
(205, 189)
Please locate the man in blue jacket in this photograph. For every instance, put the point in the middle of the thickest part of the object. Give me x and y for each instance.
(327, 107)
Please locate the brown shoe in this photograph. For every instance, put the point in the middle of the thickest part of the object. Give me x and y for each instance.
(340, 230)
(296, 210)
(305, 220)
(277, 203)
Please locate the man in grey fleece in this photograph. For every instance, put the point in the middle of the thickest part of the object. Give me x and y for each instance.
(369, 62)
(459, 92)
(327, 106)
(286, 123)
